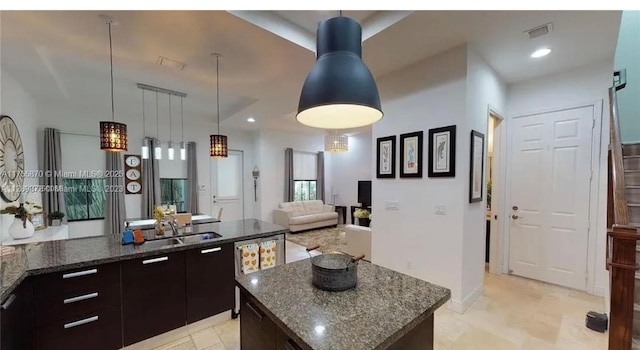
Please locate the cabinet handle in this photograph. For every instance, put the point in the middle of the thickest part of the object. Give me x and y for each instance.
(8, 302)
(290, 345)
(80, 273)
(155, 260)
(81, 297)
(255, 311)
(205, 251)
(80, 322)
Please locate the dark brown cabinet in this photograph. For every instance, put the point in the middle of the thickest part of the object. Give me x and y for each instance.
(283, 342)
(78, 309)
(210, 281)
(153, 296)
(257, 330)
(16, 319)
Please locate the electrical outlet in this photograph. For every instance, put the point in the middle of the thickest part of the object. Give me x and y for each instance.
(441, 210)
(391, 205)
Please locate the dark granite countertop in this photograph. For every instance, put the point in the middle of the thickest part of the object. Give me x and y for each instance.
(384, 306)
(52, 256)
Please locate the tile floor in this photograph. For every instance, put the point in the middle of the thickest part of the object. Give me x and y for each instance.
(513, 313)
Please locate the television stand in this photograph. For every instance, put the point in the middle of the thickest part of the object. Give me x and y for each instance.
(353, 209)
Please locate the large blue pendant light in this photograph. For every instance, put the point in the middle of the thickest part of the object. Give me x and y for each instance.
(339, 92)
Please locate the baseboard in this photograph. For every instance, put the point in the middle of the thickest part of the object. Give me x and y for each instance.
(461, 307)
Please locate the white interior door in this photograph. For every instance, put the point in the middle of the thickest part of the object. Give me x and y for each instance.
(227, 187)
(550, 172)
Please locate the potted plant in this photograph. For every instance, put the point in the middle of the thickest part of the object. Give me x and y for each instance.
(56, 218)
(21, 227)
(158, 215)
(363, 217)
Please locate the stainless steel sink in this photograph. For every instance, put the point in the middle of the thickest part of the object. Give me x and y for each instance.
(162, 242)
(186, 239)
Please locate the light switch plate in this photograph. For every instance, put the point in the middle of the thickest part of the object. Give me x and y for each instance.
(391, 205)
(441, 210)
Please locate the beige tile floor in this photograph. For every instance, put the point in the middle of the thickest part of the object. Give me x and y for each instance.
(513, 313)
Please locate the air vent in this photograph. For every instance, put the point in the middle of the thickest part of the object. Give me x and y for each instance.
(167, 62)
(539, 31)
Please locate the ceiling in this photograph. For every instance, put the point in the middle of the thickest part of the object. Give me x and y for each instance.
(62, 56)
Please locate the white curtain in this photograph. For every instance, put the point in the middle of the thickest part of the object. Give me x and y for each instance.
(53, 200)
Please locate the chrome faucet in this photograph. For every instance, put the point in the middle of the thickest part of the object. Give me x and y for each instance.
(173, 223)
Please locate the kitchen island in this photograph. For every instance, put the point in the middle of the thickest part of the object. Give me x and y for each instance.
(280, 309)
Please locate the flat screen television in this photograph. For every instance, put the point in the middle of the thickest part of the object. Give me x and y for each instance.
(364, 193)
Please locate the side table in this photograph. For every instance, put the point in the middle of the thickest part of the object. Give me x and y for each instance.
(342, 209)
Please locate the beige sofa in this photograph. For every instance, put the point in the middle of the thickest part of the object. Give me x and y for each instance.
(358, 239)
(305, 215)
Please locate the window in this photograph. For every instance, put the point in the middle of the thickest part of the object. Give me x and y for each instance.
(304, 175)
(304, 190)
(84, 199)
(174, 192)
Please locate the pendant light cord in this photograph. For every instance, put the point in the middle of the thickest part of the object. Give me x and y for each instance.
(218, 89)
(113, 114)
(170, 123)
(182, 117)
(157, 119)
(144, 123)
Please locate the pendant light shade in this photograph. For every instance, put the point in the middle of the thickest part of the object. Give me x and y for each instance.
(218, 148)
(183, 151)
(145, 148)
(113, 135)
(336, 143)
(340, 91)
(218, 143)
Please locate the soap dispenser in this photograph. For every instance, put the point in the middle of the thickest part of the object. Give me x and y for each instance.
(127, 235)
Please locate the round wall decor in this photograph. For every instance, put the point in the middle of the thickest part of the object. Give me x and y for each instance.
(11, 160)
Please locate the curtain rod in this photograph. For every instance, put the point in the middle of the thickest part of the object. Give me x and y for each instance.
(76, 134)
(308, 152)
(160, 90)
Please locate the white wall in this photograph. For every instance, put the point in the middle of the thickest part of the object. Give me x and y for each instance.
(271, 146)
(484, 88)
(582, 85)
(628, 57)
(19, 105)
(413, 240)
(350, 167)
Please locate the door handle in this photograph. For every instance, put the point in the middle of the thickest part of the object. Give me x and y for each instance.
(211, 250)
(81, 298)
(79, 273)
(151, 261)
(80, 322)
(516, 217)
(8, 302)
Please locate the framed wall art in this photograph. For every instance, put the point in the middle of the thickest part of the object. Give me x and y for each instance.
(442, 152)
(476, 182)
(39, 221)
(386, 157)
(411, 154)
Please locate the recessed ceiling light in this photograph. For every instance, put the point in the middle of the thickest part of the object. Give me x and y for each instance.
(251, 120)
(541, 53)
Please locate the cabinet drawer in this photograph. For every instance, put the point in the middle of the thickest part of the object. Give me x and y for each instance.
(99, 330)
(210, 281)
(70, 281)
(79, 303)
(257, 330)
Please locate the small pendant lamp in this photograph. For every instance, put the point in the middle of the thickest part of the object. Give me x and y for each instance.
(170, 150)
(218, 142)
(145, 140)
(183, 145)
(336, 143)
(339, 92)
(113, 135)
